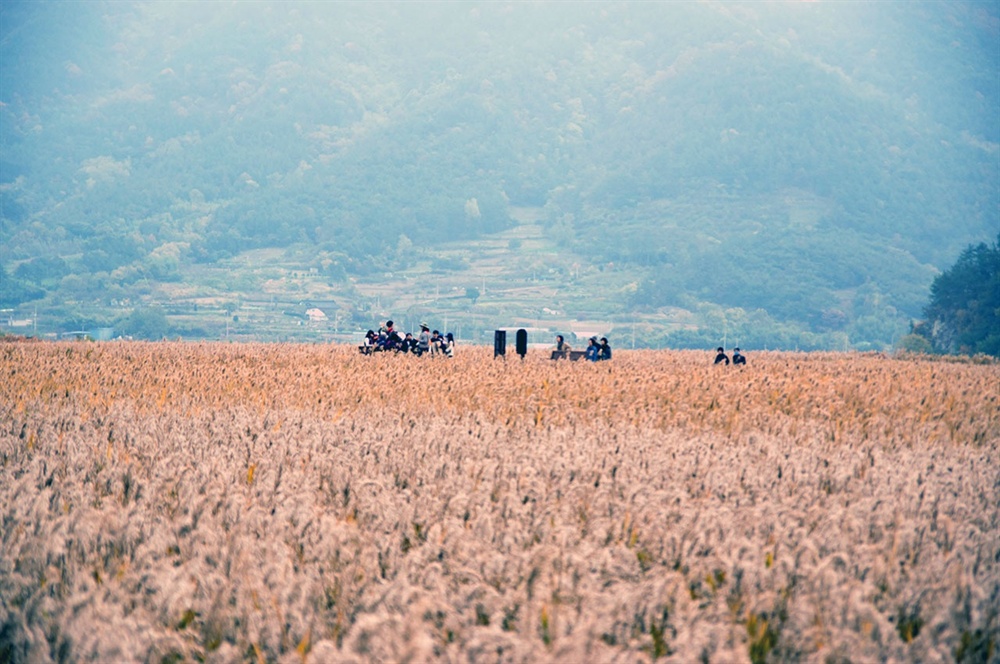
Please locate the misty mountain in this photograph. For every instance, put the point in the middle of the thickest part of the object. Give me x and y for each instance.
(820, 162)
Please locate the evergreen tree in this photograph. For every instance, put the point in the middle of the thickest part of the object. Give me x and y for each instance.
(963, 314)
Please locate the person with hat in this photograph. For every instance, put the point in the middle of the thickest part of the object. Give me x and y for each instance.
(424, 339)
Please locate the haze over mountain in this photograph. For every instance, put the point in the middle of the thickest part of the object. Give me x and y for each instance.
(799, 171)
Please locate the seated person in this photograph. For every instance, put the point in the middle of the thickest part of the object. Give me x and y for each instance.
(448, 345)
(389, 339)
(561, 349)
(369, 342)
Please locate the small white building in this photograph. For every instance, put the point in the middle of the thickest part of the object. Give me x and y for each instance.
(316, 315)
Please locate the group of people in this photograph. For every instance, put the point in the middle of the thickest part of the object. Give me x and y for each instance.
(595, 351)
(389, 339)
(722, 358)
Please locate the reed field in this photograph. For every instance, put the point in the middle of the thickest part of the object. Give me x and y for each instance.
(180, 502)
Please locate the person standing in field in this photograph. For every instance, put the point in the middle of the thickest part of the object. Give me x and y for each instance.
(720, 356)
(604, 350)
(424, 340)
(738, 357)
(592, 350)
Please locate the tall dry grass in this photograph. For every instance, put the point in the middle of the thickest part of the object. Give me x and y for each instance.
(178, 502)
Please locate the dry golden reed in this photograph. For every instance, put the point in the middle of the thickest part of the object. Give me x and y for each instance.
(247, 502)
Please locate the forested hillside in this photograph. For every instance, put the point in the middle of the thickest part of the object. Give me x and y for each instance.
(808, 166)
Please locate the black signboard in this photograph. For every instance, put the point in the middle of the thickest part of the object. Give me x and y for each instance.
(522, 343)
(500, 343)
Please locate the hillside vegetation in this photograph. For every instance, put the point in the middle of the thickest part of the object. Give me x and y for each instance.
(809, 167)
